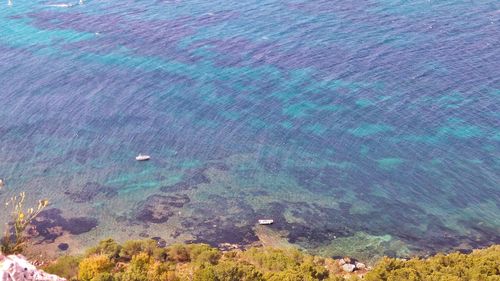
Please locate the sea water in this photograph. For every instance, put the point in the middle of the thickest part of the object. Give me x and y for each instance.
(360, 127)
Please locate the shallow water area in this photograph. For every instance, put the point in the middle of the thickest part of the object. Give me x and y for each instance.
(362, 128)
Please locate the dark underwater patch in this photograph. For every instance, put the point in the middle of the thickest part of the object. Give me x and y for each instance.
(222, 220)
(178, 187)
(63, 246)
(89, 191)
(159, 208)
(318, 227)
(50, 224)
(190, 180)
(481, 235)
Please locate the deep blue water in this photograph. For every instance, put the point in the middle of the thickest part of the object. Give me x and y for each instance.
(361, 127)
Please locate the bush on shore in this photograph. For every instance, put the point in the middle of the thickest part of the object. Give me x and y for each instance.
(480, 265)
(142, 260)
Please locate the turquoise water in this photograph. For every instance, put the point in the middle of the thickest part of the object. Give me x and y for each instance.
(360, 127)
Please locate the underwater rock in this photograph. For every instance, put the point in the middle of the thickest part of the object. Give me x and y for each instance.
(50, 224)
(220, 166)
(180, 186)
(63, 246)
(176, 233)
(190, 180)
(211, 223)
(89, 191)
(315, 225)
(159, 208)
(197, 177)
(273, 164)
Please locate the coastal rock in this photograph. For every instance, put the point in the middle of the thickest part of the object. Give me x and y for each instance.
(160, 242)
(360, 265)
(348, 267)
(341, 262)
(17, 268)
(226, 247)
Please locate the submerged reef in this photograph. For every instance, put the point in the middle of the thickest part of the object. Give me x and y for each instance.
(159, 208)
(51, 224)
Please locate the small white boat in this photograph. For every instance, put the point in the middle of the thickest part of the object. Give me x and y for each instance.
(141, 157)
(266, 222)
(60, 5)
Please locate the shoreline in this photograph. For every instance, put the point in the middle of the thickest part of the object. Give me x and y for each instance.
(268, 238)
(266, 261)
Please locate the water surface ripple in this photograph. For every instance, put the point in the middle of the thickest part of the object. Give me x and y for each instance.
(361, 127)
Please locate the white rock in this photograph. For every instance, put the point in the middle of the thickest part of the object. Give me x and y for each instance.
(341, 262)
(17, 268)
(360, 265)
(348, 267)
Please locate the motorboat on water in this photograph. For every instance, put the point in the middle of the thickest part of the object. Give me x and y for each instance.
(142, 157)
(266, 222)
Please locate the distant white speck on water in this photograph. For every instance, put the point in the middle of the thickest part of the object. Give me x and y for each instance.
(142, 157)
(266, 222)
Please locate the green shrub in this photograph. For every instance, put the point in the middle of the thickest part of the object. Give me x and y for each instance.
(105, 276)
(161, 271)
(203, 253)
(480, 265)
(65, 266)
(178, 253)
(236, 271)
(287, 275)
(134, 247)
(138, 268)
(93, 266)
(286, 264)
(316, 272)
(107, 247)
(205, 273)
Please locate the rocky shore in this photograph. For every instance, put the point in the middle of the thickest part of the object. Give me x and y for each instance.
(18, 268)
